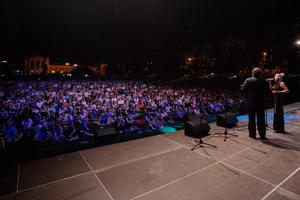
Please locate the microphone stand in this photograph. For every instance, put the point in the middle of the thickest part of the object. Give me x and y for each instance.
(266, 110)
(266, 114)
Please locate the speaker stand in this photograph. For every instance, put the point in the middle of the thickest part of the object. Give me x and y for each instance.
(199, 144)
(227, 128)
(226, 134)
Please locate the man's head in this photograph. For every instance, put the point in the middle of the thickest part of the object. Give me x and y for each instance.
(257, 72)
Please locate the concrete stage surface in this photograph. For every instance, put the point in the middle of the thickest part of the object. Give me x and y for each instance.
(164, 167)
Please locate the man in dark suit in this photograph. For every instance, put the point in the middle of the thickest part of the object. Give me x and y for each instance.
(255, 90)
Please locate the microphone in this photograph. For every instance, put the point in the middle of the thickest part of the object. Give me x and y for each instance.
(270, 79)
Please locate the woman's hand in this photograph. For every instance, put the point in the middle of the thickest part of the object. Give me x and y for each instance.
(275, 91)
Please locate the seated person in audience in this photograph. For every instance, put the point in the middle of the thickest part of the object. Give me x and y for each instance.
(70, 132)
(42, 134)
(11, 133)
(57, 133)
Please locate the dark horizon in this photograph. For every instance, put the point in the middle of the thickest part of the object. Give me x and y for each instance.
(133, 31)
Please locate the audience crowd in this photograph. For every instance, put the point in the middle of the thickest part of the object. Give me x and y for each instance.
(58, 110)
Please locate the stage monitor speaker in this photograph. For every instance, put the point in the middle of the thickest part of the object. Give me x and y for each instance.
(227, 120)
(196, 128)
(191, 117)
(105, 135)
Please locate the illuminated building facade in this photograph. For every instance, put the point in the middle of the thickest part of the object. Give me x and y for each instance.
(60, 68)
(99, 69)
(41, 65)
(36, 64)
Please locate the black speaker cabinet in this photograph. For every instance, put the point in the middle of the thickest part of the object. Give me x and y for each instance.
(105, 135)
(227, 120)
(196, 128)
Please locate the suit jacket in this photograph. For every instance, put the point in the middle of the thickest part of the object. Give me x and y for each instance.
(255, 91)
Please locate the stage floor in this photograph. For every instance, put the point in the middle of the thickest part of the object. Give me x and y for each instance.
(164, 167)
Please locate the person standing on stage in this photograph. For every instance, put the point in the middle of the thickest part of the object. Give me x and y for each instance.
(255, 90)
(278, 89)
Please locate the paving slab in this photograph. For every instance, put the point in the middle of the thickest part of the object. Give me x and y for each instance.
(118, 154)
(130, 180)
(215, 182)
(85, 187)
(37, 172)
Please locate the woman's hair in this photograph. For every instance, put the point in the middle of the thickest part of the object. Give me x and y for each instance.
(281, 75)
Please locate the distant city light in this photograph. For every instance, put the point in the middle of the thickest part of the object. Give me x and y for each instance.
(189, 59)
(4, 61)
(298, 42)
(75, 65)
(265, 53)
(67, 64)
(53, 72)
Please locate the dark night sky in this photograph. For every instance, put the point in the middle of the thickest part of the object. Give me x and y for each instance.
(129, 31)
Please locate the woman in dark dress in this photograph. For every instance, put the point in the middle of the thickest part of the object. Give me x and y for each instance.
(278, 89)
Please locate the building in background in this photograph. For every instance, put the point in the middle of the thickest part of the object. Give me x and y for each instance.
(41, 65)
(65, 68)
(36, 64)
(99, 69)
